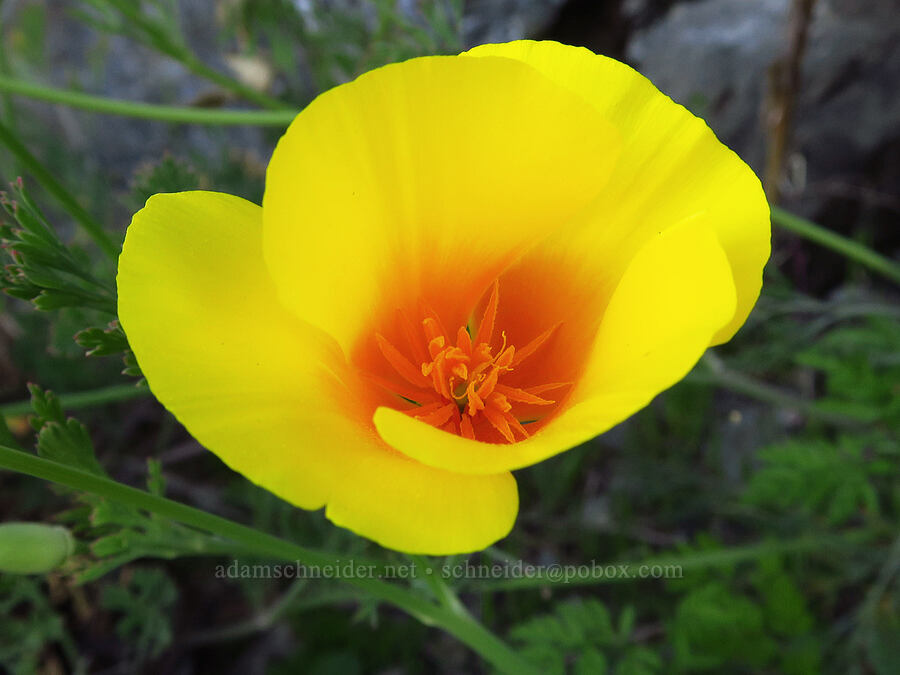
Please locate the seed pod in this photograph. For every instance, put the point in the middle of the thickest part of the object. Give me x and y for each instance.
(33, 548)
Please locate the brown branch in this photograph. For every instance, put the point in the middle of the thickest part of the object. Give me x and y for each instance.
(784, 84)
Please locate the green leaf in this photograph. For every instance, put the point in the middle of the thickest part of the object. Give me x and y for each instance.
(120, 533)
(626, 622)
(816, 477)
(144, 599)
(713, 627)
(167, 175)
(28, 626)
(124, 534)
(639, 661)
(591, 662)
(784, 606)
(68, 443)
(108, 341)
(581, 632)
(131, 365)
(63, 440)
(42, 268)
(861, 369)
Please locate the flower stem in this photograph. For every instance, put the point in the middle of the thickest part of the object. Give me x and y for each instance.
(196, 66)
(715, 372)
(55, 188)
(293, 600)
(163, 113)
(82, 399)
(160, 35)
(668, 566)
(847, 247)
(464, 628)
(441, 590)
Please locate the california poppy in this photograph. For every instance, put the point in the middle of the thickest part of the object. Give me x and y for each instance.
(462, 266)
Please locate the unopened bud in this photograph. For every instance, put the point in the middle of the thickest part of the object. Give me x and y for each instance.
(33, 548)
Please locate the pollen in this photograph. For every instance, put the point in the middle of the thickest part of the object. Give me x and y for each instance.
(456, 383)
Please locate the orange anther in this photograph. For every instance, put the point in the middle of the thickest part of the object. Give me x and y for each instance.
(486, 328)
(400, 363)
(457, 387)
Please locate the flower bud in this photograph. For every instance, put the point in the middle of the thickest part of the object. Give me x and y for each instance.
(33, 548)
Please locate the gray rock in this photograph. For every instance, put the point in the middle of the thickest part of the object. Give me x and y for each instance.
(116, 67)
(713, 57)
(504, 20)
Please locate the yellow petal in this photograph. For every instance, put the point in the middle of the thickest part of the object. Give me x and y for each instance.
(676, 293)
(423, 180)
(217, 348)
(671, 168)
(405, 505)
(270, 394)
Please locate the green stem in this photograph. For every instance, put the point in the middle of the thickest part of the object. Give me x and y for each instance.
(55, 188)
(161, 37)
(718, 374)
(259, 623)
(464, 628)
(847, 247)
(82, 399)
(8, 110)
(672, 566)
(439, 588)
(199, 68)
(162, 113)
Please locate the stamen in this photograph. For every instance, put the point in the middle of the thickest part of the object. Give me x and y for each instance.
(505, 359)
(500, 423)
(465, 427)
(486, 329)
(456, 386)
(515, 424)
(499, 402)
(521, 396)
(532, 346)
(420, 396)
(475, 402)
(464, 341)
(453, 425)
(429, 313)
(436, 346)
(424, 410)
(412, 337)
(487, 387)
(440, 416)
(400, 363)
(439, 377)
(540, 389)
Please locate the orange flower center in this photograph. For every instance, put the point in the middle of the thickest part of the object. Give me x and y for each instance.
(455, 385)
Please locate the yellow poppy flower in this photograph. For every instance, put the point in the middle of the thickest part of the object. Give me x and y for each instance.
(462, 266)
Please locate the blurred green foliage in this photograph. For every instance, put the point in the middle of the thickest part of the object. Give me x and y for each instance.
(30, 627)
(808, 452)
(143, 600)
(581, 634)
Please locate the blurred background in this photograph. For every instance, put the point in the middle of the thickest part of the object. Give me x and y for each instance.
(770, 475)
